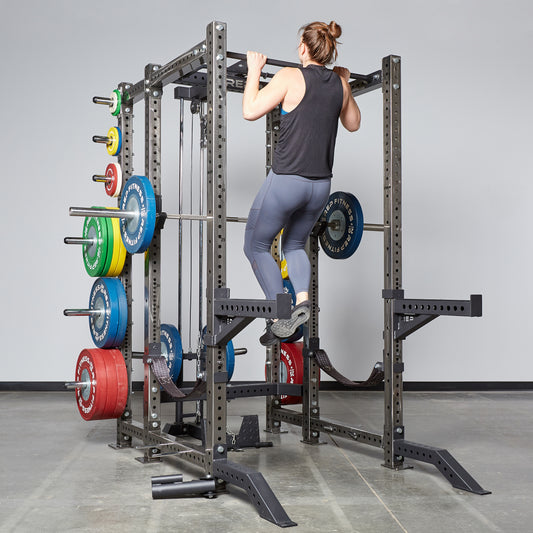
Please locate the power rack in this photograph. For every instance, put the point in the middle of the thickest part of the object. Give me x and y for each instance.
(206, 73)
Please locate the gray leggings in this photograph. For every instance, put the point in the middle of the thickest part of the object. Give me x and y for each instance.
(293, 203)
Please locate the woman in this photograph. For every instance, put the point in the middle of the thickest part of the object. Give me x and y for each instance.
(297, 188)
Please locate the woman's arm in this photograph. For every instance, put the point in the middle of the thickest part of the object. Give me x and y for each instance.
(257, 103)
(350, 113)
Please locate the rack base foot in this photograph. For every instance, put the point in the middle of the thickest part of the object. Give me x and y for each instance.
(447, 465)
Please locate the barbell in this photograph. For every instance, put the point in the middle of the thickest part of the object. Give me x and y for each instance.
(342, 219)
(138, 214)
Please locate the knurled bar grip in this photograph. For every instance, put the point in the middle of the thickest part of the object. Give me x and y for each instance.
(162, 374)
(375, 378)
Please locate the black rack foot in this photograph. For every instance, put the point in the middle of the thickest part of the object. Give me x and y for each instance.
(258, 490)
(447, 465)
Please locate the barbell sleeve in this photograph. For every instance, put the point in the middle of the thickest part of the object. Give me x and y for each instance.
(102, 100)
(103, 213)
(79, 240)
(83, 312)
(241, 351)
(375, 227)
(100, 178)
(76, 384)
(101, 139)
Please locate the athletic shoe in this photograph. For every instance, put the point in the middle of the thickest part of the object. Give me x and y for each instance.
(268, 338)
(285, 327)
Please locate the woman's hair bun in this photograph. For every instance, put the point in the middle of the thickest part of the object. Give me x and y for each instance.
(334, 29)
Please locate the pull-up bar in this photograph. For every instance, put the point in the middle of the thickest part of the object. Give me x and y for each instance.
(277, 63)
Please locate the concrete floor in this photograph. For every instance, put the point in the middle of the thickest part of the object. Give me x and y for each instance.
(58, 474)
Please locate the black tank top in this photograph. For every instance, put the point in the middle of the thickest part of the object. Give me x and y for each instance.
(306, 143)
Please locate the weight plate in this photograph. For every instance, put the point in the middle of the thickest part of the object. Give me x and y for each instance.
(343, 216)
(291, 368)
(117, 386)
(110, 244)
(138, 197)
(113, 171)
(121, 250)
(122, 302)
(172, 349)
(110, 384)
(115, 141)
(117, 102)
(284, 268)
(117, 240)
(103, 298)
(91, 398)
(230, 359)
(94, 255)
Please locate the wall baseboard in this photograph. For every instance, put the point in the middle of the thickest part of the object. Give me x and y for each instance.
(409, 386)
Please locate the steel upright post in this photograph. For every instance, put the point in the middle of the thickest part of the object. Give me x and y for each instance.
(125, 160)
(392, 195)
(310, 403)
(272, 352)
(216, 376)
(152, 271)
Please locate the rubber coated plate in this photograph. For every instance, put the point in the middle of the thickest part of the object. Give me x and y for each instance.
(344, 218)
(117, 384)
(113, 171)
(103, 327)
(117, 242)
(94, 255)
(172, 349)
(230, 359)
(138, 197)
(110, 384)
(91, 399)
(291, 368)
(116, 97)
(110, 244)
(119, 251)
(122, 302)
(122, 383)
(115, 141)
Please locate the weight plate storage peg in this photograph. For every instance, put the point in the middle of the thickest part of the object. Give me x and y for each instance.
(101, 384)
(137, 231)
(171, 349)
(343, 216)
(108, 326)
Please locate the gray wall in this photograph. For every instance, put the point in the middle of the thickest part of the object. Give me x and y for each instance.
(467, 172)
